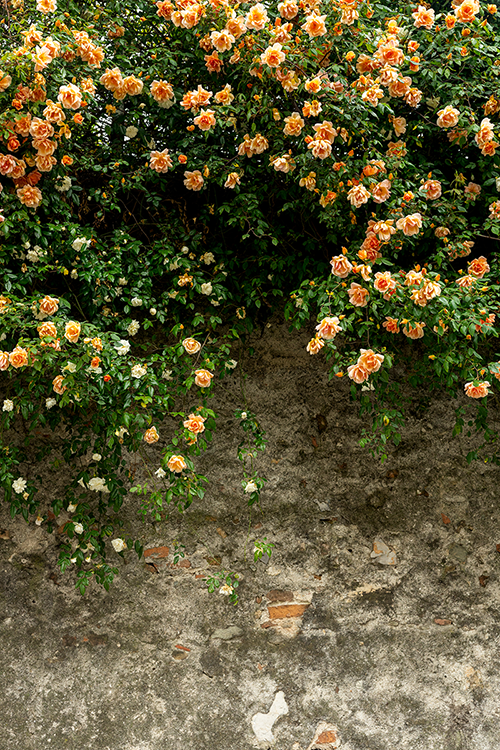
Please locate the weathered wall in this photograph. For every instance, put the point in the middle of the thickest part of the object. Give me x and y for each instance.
(343, 651)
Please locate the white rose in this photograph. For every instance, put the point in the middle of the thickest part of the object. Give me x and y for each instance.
(231, 364)
(174, 266)
(123, 282)
(39, 520)
(118, 544)
(74, 274)
(138, 371)
(8, 405)
(152, 311)
(71, 508)
(70, 367)
(96, 456)
(64, 185)
(124, 347)
(167, 375)
(78, 528)
(226, 590)
(206, 288)
(133, 327)
(32, 255)
(50, 402)
(131, 131)
(250, 487)
(160, 473)
(136, 301)
(184, 250)
(79, 243)
(97, 484)
(19, 485)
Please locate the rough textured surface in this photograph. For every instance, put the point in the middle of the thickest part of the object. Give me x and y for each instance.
(375, 656)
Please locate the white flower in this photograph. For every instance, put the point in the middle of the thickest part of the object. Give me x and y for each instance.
(133, 327)
(184, 250)
(121, 432)
(118, 544)
(231, 364)
(138, 371)
(206, 288)
(124, 347)
(74, 274)
(251, 487)
(122, 281)
(3, 336)
(19, 485)
(93, 371)
(174, 266)
(32, 255)
(215, 303)
(39, 520)
(50, 402)
(243, 415)
(81, 482)
(78, 528)
(70, 367)
(71, 508)
(27, 245)
(226, 590)
(152, 310)
(160, 473)
(8, 405)
(64, 185)
(73, 559)
(497, 184)
(97, 484)
(136, 301)
(131, 131)
(96, 456)
(208, 258)
(79, 243)
(167, 375)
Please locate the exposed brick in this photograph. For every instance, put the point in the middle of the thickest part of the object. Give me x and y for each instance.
(327, 737)
(286, 610)
(279, 596)
(182, 564)
(156, 552)
(182, 648)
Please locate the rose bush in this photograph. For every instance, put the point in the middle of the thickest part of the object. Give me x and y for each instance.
(169, 167)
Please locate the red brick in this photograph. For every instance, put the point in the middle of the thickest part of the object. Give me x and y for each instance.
(156, 552)
(286, 610)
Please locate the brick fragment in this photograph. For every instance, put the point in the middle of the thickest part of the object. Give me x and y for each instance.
(276, 595)
(156, 552)
(281, 611)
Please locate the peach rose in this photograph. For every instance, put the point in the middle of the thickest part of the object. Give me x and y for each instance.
(341, 267)
(47, 329)
(424, 17)
(257, 17)
(410, 225)
(151, 435)
(5, 81)
(273, 56)
(70, 96)
(315, 345)
(163, 93)
(41, 128)
(391, 325)
(324, 131)
(448, 117)
(132, 85)
(48, 306)
(222, 40)
(232, 180)
(413, 277)
(358, 373)
(29, 196)
(431, 289)
(370, 361)
(72, 331)
(370, 248)
(358, 195)
(293, 124)
(4, 361)
(203, 378)
(205, 119)
(236, 26)
(193, 180)
(415, 331)
(112, 79)
(383, 229)
(467, 11)
(477, 391)
(431, 189)
(160, 161)
(44, 146)
(191, 345)
(195, 424)
(320, 149)
(224, 96)
(465, 282)
(54, 112)
(399, 125)
(381, 191)
(478, 267)
(328, 328)
(57, 385)
(18, 357)
(358, 295)
(384, 282)
(315, 25)
(45, 163)
(288, 9)
(176, 464)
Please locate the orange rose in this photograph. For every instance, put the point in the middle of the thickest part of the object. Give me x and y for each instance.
(358, 295)
(384, 282)
(466, 282)
(478, 267)
(328, 328)
(203, 378)
(224, 96)
(163, 93)
(48, 306)
(176, 464)
(257, 17)
(381, 191)
(57, 385)
(97, 344)
(320, 149)
(132, 85)
(423, 17)
(18, 357)
(477, 391)
(358, 373)
(72, 331)
(70, 96)
(415, 331)
(448, 117)
(431, 189)
(47, 329)
(391, 325)
(4, 360)
(95, 362)
(370, 361)
(151, 435)
(315, 345)
(288, 9)
(293, 124)
(232, 180)
(467, 10)
(41, 128)
(205, 119)
(341, 267)
(315, 25)
(194, 424)
(273, 56)
(410, 225)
